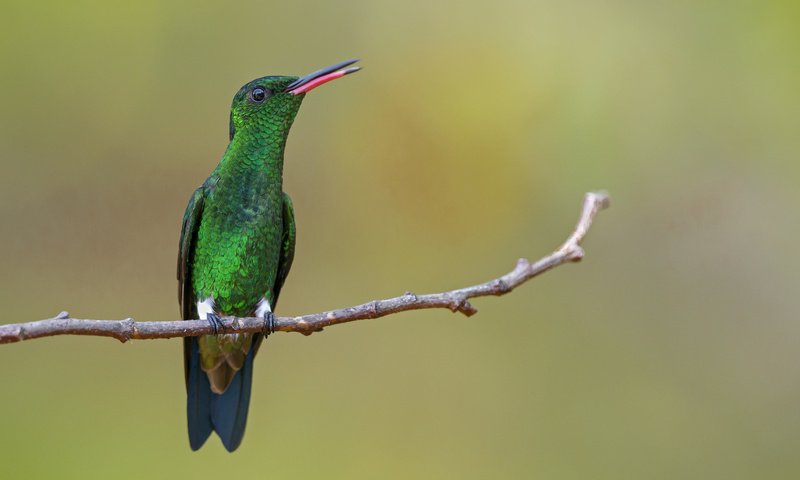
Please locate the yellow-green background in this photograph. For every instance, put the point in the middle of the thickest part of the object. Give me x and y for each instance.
(466, 142)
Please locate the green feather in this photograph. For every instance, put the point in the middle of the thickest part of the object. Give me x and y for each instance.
(237, 241)
(236, 248)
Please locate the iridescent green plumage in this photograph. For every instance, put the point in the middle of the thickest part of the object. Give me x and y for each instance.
(237, 242)
(236, 249)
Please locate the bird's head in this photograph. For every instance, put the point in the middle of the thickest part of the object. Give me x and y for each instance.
(269, 104)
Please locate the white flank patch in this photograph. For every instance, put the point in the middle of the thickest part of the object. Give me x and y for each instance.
(262, 308)
(205, 307)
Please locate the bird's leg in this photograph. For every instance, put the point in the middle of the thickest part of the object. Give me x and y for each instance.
(215, 322)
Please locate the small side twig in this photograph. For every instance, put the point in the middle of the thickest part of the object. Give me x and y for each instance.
(454, 300)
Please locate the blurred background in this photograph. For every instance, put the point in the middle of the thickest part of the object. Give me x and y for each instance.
(466, 142)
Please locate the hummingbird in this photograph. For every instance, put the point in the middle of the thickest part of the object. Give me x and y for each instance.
(236, 249)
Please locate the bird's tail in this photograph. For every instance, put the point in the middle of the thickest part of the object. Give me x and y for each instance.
(206, 411)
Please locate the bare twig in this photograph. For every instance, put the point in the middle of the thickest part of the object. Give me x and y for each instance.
(455, 300)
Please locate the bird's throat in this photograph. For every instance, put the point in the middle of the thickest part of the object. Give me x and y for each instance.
(254, 157)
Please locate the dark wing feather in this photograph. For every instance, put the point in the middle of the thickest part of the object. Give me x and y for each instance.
(186, 298)
(287, 248)
(191, 220)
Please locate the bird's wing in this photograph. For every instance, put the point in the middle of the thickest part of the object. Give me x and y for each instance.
(186, 297)
(191, 221)
(287, 248)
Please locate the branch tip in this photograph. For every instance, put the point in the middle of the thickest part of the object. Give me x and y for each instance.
(602, 198)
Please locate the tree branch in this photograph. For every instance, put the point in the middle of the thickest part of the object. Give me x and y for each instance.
(455, 300)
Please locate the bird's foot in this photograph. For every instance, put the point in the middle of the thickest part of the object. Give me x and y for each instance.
(269, 323)
(215, 322)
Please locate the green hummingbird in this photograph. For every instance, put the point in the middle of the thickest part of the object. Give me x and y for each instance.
(236, 249)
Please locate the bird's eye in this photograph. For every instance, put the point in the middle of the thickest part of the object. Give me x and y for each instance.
(259, 94)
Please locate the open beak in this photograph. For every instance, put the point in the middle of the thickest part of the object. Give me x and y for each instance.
(314, 80)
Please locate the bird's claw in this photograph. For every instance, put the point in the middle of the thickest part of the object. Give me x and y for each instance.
(269, 323)
(215, 322)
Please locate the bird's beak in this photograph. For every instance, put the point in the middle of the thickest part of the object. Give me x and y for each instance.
(315, 79)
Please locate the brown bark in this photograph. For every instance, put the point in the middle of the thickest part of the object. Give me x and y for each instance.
(455, 300)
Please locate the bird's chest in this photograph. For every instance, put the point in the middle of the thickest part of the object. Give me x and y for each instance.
(238, 247)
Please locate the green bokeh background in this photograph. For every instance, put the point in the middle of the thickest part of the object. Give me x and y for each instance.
(466, 142)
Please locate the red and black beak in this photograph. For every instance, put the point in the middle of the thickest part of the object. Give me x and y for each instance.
(314, 80)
